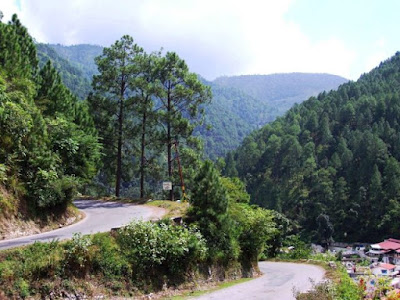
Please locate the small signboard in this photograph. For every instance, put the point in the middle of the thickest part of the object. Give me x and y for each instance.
(167, 185)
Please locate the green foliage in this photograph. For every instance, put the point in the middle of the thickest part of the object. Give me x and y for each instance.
(336, 155)
(152, 248)
(236, 190)
(48, 143)
(298, 249)
(254, 228)
(347, 289)
(108, 259)
(209, 211)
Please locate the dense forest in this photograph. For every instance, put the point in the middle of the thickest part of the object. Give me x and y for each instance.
(332, 162)
(48, 142)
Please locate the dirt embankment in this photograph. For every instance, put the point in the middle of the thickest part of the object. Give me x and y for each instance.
(13, 226)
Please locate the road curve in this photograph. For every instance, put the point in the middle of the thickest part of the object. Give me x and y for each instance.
(100, 217)
(278, 282)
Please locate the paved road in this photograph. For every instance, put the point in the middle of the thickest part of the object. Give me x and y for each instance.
(100, 217)
(277, 283)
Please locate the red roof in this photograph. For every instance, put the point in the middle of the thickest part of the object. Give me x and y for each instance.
(393, 240)
(390, 244)
(387, 266)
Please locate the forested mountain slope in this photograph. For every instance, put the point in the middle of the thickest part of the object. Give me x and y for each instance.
(82, 55)
(72, 74)
(281, 91)
(240, 104)
(332, 160)
(232, 115)
(244, 103)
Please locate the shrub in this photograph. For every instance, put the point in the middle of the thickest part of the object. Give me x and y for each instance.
(300, 249)
(254, 227)
(77, 254)
(152, 248)
(108, 259)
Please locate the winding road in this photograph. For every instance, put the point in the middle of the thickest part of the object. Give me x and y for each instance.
(278, 282)
(100, 217)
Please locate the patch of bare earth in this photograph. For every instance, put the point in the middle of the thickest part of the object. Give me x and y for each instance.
(17, 226)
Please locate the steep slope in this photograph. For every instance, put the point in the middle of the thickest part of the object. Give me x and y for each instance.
(281, 91)
(71, 73)
(82, 55)
(333, 160)
(232, 115)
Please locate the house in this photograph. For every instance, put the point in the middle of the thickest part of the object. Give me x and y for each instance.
(383, 269)
(387, 251)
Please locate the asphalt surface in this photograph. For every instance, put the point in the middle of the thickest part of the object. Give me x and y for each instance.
(278, 282)
(100, 217)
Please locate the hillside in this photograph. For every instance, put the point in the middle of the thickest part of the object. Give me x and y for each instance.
(232, 115)
(281, 91)
(82, 55)
(240, 104)
(72, 73)
(332, 162)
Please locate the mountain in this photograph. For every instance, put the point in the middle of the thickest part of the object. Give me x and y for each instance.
(232, 115)
(281, 91)
(245, 103)
(240, 104)
(81, 55)
(75, 64)
(332, 163)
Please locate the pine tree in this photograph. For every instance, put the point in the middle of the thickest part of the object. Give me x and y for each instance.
(181, 98)
(209, 209)
(118, 67)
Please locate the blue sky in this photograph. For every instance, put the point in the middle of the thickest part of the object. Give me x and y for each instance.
(229, 37)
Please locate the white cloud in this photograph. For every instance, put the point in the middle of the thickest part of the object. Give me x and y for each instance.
(223, 37)
(8, 8)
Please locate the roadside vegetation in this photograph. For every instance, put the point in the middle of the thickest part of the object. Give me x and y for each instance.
(221, 242)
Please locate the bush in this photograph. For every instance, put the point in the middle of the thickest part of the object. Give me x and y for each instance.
(160, 248)
(254, 228)
(78, 254)
(108, 259)
(300, 249)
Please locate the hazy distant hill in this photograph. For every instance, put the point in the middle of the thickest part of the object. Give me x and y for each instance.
(74, 75)
(281, 91)
(82, 55)
(240, 104)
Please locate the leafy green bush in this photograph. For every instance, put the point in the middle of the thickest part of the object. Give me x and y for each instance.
(78, 253)
(151, 247)
(300, 249)
(254, 227)
(108, 259)
(347, 289)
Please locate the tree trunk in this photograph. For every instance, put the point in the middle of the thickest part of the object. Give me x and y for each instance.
(143, 157)
(119, 151)
(169, 145)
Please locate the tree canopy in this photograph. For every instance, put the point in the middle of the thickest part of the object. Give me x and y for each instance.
(335, 155)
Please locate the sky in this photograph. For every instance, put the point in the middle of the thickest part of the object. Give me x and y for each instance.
(228, 37)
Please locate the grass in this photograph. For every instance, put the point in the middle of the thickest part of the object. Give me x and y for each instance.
(174, 209)
(220, 286)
